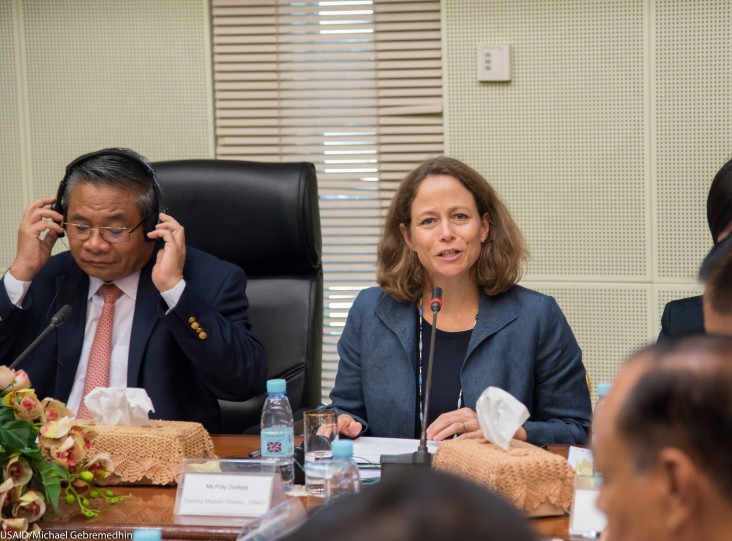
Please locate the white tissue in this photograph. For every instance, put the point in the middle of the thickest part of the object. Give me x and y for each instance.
(119, 406)
(500, 415)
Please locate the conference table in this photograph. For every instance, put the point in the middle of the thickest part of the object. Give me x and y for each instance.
(152, 506)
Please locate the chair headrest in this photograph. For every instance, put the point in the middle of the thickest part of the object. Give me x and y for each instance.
(261, 216)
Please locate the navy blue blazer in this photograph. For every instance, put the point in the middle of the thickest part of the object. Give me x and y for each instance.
(521, 343)
(183, 373)
(682, 317)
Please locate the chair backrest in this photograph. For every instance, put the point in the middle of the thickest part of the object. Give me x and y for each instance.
(263, 217)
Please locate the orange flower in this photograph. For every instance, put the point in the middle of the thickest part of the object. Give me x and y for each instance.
(11, 380)
(69, 453)
(54, 410)
(30, 506)
(11, 525)
(60, 439)
(7, 376)
(100, 466)
(5, 489)
(21, 381)
(25, 404)
(17, 469)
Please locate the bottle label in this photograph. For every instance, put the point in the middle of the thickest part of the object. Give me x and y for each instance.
(277, 442)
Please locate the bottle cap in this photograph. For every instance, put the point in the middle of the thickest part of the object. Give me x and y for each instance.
(276, 385)
(603, 388)
(147, 534)
(342, 448)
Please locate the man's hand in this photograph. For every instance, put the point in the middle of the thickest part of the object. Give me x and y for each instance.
(34, 251)
(168, 269)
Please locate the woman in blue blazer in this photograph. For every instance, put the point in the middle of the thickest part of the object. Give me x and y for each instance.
(447, 228)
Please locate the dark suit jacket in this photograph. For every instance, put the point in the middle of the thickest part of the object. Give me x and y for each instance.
(521, 343)
(682, 317)
(183, 373)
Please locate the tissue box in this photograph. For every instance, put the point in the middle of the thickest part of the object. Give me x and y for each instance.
(538, 482)
(151, 455)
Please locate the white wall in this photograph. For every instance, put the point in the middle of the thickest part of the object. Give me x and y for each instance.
(603, 144)
(81, 75)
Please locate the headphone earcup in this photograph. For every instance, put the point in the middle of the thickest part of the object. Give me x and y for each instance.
(58, 206)
(153, 219)
(150, 223)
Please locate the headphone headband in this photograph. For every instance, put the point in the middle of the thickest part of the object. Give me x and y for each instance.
(115, 151)
(152, 219)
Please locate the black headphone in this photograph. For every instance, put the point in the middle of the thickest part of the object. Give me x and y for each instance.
(151, 219)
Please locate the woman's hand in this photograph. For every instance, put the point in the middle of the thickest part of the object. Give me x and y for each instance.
(348, 426)
(462, 422)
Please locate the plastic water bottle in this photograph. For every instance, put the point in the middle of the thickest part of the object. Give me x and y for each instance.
(147, 534)
(342, 476)
(277, 433)
(602, 390)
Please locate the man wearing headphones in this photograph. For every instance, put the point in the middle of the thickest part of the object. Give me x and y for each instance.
(147, 311)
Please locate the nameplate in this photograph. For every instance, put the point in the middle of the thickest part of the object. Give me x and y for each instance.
(586, 520)
(226, 488)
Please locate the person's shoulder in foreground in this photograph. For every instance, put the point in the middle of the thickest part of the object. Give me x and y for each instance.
(418, 505)
(682, 317)
(662, 441)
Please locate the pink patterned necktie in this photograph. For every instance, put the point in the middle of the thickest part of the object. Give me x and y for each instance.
(97, 369)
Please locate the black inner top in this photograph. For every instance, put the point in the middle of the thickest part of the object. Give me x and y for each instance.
(449, 356)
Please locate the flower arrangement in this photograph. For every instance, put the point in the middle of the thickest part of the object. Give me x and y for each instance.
(44, 451)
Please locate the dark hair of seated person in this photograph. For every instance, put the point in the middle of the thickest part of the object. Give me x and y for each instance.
(719, 203)
(417, 505)
(716, 273)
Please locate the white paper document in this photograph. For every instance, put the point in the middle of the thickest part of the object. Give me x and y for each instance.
(367, 452)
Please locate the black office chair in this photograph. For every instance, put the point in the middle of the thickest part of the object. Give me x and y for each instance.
(263, 217)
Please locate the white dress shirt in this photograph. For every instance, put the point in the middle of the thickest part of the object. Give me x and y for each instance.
(124, 311)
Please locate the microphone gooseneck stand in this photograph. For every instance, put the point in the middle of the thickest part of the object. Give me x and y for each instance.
(421, 458)
(57, 319)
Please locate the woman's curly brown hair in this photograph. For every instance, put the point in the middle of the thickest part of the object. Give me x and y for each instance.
(502, 256)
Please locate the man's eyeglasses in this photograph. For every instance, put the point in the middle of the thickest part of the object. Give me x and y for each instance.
(112, 235)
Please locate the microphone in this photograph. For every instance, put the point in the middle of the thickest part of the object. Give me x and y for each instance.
(57, 319)
(421, 458)
(436, 300)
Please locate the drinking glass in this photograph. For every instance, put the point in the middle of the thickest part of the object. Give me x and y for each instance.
(320, 430)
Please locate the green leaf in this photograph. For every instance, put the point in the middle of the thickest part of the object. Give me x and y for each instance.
(33, 455)
(51, 469)
(51, 475)
(6, 414)
(52, 488)
(17, 435)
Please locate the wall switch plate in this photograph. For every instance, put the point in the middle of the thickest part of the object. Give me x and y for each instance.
(494, 63)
